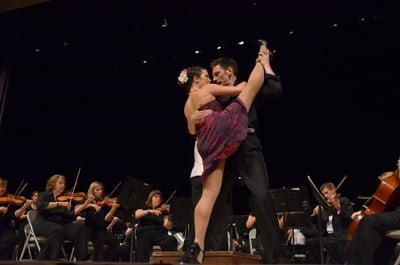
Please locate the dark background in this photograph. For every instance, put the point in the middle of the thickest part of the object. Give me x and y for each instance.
(81, 96)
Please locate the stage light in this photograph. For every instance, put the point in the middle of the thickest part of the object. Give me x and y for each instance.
(197, 52)
(144, 61)
(362, 19)
(37, 50)
(335, 25)
(291, 32)
(219, 48)
(165, 24)
(241, 42)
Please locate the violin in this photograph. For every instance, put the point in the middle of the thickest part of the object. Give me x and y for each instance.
(164, 209)
(109, 202)
(77, 197)
(12, 199)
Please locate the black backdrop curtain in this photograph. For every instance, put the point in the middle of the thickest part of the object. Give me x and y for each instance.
(4, 77)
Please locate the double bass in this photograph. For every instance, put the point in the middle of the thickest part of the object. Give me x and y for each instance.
(386, 198)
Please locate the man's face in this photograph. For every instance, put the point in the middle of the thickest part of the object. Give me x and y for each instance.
(329, 194)
(222, 76)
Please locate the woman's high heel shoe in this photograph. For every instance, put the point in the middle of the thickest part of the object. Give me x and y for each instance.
(191, 254)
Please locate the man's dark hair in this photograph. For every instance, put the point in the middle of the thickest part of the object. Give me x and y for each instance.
(225, 62)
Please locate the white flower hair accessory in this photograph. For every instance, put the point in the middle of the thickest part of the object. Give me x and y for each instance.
(183, 78)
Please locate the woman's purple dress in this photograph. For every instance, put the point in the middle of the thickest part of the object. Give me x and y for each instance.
(220, 133)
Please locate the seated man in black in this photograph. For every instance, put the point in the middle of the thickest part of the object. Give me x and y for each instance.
(153, 228)
(333, 227)
(369, 244)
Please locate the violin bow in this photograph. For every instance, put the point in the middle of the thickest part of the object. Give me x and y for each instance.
(76, 182)
(341, 182)
(116, 187)
(19, 190)
(19, 186)
(109, 195)
(170, 197)
(22, 189)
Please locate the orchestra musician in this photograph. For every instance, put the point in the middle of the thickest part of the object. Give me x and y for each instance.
(20, 214)
(97, 216)
(153, 227)
(55, 221)
(369, 244)
(251, 223)
(333, 227)
(8, 235)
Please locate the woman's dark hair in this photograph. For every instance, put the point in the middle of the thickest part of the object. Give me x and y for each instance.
(149, 203)
(186, 77)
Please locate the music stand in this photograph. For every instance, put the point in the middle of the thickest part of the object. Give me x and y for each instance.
(133, 195)
(329, 210)
(320, 198)
(180, 209)
(293, 204)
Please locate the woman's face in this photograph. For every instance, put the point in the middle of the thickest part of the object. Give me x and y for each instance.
(59, 187)
(35, 196)
(204, 78)
(3, 189)
(156, 201)
(98, 192)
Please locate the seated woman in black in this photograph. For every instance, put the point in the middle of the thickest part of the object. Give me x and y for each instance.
(152, 229)
(96, 217)
(8, 235)
(55, 221)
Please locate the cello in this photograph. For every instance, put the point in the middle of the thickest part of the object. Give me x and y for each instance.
(385, 198)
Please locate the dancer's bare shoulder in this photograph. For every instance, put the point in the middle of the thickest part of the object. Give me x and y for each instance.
(195, 101)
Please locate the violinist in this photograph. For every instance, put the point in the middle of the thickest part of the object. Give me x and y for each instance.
(55, 221)
(153, 228)
(97, 215)
(8, 235)
(333, 227)
(251, 223)
(369, 244)
(20, 214)
(30, 204)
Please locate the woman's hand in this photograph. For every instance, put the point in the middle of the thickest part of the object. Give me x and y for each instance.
(64, 204)
(241, 85)
(96, 207)
(3, 210)
(155, 212)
